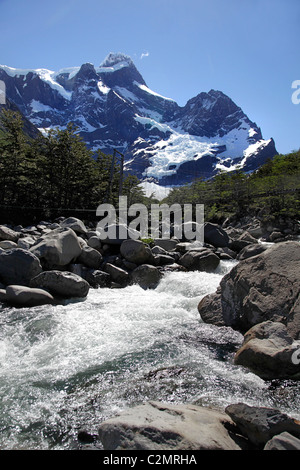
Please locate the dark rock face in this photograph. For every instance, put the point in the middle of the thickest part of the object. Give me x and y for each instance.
(113, 108)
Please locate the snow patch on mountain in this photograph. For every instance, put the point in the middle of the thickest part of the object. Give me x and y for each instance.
(151, 92)
(155, 190)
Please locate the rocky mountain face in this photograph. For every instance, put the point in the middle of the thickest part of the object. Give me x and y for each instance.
(113, 108)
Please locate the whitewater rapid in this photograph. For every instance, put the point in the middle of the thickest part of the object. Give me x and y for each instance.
(69, 367)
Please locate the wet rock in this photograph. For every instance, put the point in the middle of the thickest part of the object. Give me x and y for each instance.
(260, 288)
(146, 275)
(158, 250)
(90, 257)
(261, 424)
(8, 245)
(8, 234)
(118, 275)
(284, 441)
(97, 278)
(275, 236)
(250, 250)
(61, 284)
(202, 260)
(167, 244)
(136, 252)
(94, 242)
(18, 266)
(58, 248)
(157, 426)
(3, 297)
(23, 296)
(161, 260)
(268, 351)
(215, 235)
(75, 224)
(241, 241)
(26, 243)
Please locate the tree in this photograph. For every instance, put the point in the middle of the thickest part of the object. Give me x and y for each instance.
(14, 157)
(69, 170)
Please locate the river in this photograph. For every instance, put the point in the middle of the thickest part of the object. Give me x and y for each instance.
(69, 367)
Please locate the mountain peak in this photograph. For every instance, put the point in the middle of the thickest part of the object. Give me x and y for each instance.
(120, 70)
(115, 58)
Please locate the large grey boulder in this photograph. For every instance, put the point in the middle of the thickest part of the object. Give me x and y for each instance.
(26, 242)
(270, 352)
(260, 288)
(117, 274)
(135, 251)
(90, 257)
(97, 278)
(157, 426)
(22, 296)
(260, 424)
(18, 266)
(283, 441)
(238, 243)
(215, 235)
(8, 245)
(251, 250)
(167, 244)
(94, 242)
(57, 248)
(201, 260)
(61, 284)
(75, 224)
(8, 234)
(146, 275)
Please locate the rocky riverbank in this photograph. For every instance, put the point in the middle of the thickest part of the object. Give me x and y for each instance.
(53, 263)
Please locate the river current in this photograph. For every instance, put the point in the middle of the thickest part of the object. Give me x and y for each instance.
(69, 367)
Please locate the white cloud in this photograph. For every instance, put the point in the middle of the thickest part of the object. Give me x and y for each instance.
(144, 54)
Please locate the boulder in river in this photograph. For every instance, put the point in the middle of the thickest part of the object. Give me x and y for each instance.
(146, 275)
(18, 266)
(89, 257)
(260, 424)
(215, 235)
(61, 284)
(202, 260)
(263, 287)
(57, 248)
(283, 441)
(158, 426)
(117, 274)
(270, 352)
(23, 296)
(136, 252)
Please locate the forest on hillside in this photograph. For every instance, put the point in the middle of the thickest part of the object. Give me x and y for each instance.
(57, 175)
(273, 191)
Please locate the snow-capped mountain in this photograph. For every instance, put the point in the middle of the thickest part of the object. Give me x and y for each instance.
(113, 107)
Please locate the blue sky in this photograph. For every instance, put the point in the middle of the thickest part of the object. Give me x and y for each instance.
(247, 49)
